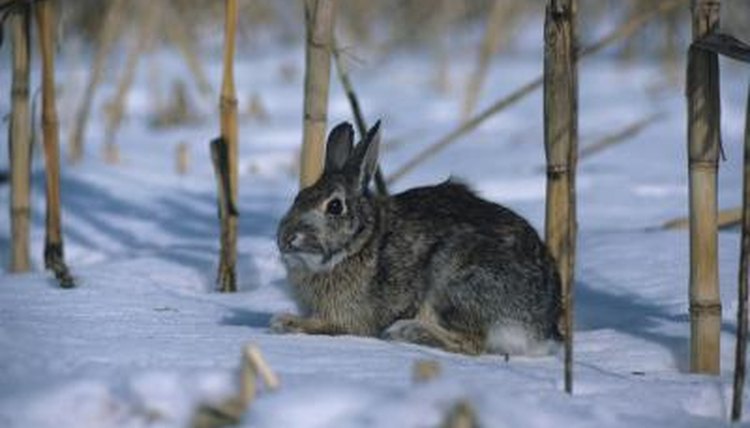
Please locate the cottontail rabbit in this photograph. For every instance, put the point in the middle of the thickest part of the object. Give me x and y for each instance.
(434, 265)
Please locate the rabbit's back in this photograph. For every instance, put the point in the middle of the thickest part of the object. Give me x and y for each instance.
(476, 264)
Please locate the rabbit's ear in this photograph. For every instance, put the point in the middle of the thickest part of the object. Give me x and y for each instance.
(339, 146)
(365, 158)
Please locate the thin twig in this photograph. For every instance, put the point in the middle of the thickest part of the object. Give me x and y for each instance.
(359, 118)
(622, 135)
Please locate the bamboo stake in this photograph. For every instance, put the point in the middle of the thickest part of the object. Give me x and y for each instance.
(359, 118)
(20, 141)
(741, 347)
(150, 17)
(53, 243)
(703, 148)
(110, 30)
(229, 136)
(319, 19)
(625, 30)
(561, 141)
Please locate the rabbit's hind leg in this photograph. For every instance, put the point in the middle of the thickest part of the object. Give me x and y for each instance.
(424, 330)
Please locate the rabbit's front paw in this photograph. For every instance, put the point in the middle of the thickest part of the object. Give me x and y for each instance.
(286, 323)
(407, 330)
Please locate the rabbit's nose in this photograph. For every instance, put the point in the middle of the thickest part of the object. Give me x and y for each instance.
(293, 240)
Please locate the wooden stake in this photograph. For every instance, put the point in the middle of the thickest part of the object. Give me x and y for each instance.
(703, 153)
(229, 138)
(319, 19)
(561, 145)
(20, 141)
(53, 243)
(110, 30)
(627, 29)
(359, 117)
(116, 108)
(741, 347)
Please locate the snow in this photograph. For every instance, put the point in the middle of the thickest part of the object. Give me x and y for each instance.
(144, 339)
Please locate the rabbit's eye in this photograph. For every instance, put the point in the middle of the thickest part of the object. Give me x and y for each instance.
(334, 207)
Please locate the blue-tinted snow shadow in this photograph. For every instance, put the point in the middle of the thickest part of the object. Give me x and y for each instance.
(630, 314)
(183, 215)
(246, 318)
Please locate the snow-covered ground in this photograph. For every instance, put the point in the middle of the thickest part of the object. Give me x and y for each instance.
(144, 338)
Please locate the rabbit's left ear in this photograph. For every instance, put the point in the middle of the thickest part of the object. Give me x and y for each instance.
(339, 146)
(365, 158)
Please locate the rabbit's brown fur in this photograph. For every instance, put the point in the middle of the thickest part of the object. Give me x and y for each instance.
(435, 265)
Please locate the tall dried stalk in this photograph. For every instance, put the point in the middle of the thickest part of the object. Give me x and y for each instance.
(703, 153)
(490, 43)
(175, 30)
(625, 30)
(319, 18)
(561, 145)
(53, 243)
(741, 347)
(20, 141)
(226, 163)
(116, 108)
(109, 32)
(359, 117)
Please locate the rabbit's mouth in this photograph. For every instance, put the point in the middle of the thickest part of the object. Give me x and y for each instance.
(312, 261)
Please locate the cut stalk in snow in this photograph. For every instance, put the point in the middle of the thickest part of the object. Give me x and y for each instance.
(319, 18)
(741, 347)
(561, 147)
(20, 140)
(704, 119)
(53, 243)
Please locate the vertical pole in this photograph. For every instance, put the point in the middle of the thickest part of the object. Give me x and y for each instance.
(20, 141)
(561, 143)
(229, 138)
(741, 348)
(703, 157)
(319, 17)
(53, 243)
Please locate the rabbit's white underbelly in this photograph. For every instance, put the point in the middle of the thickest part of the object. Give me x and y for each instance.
(515, 339)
